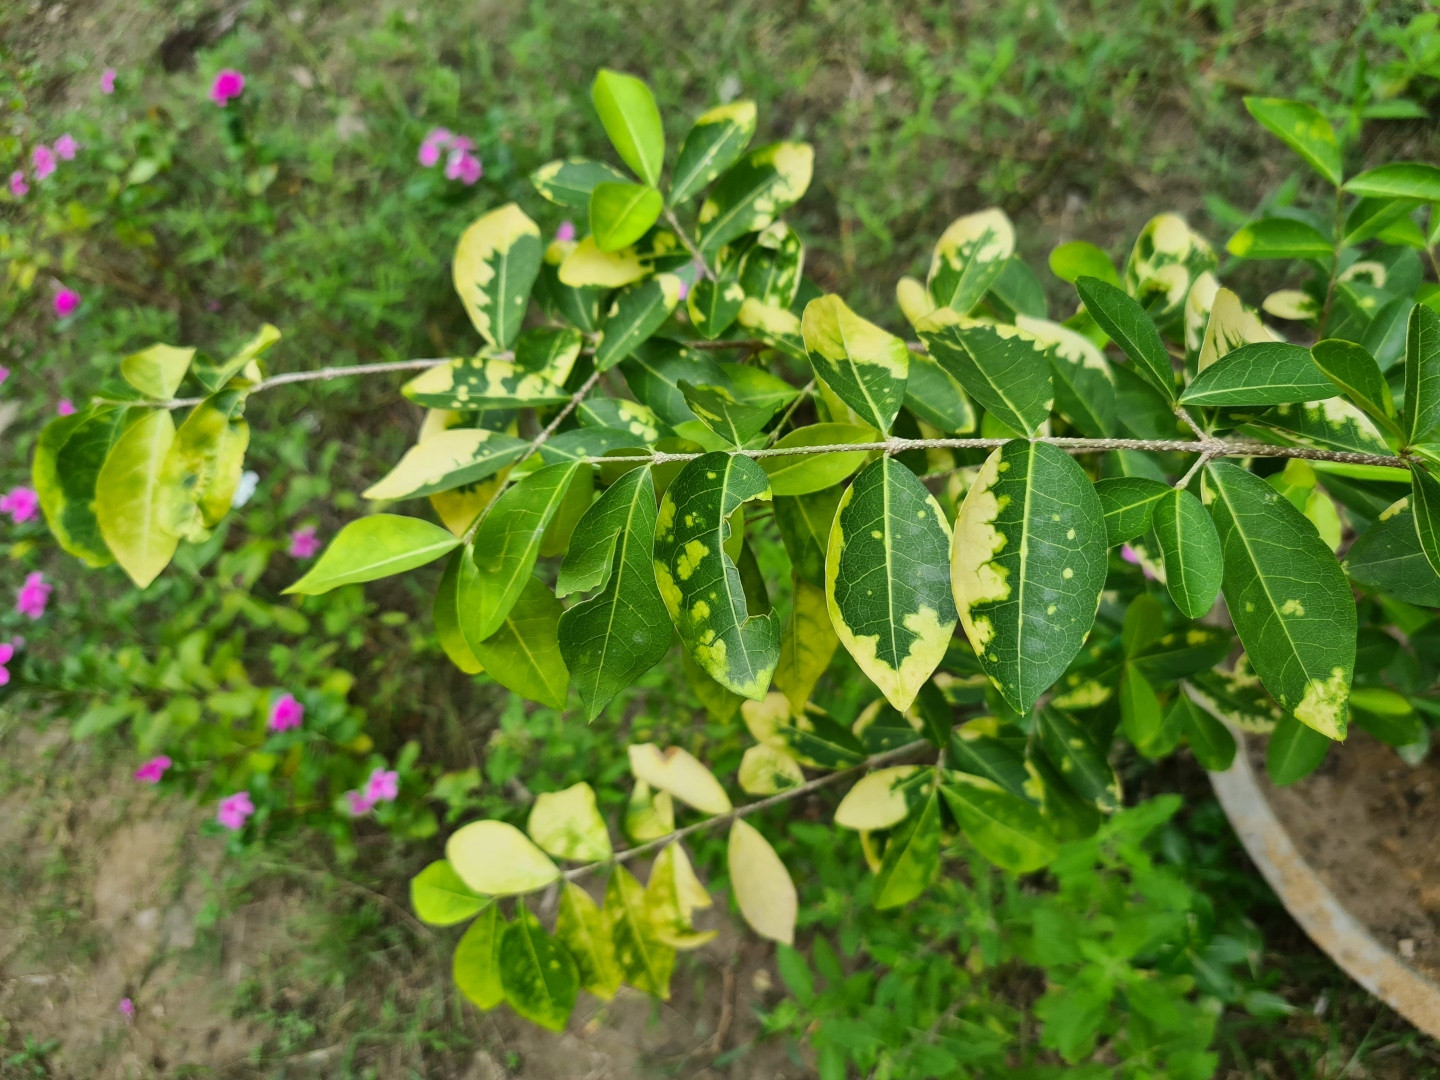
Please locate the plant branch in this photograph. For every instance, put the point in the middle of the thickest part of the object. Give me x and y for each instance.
(900, 752)
(689, 245)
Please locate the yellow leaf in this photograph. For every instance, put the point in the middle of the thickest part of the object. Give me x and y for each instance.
(495, 858)
(765, 770)
(678, 772)
(568, 825)
(763, 889)
(877, 801)
(650, 814)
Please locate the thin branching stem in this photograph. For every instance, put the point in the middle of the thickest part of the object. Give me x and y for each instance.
(875, 761)
(689, 244)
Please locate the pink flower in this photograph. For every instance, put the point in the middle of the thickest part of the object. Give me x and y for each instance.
(42, 160)
(566, 232)
(65, 407)
(234, 809)
(304, 543)
(1130, 555)
(358, 804)
(65, 147)
(461, 142)
(107, 86)
(18, 187)
(34, 595)
(153, 770)
(285, 714)
(66, 301)
(464, 166)
(127, 1007)
(436, 140)
(383, 786)
(6, 652)
(4, 374)
(228, 86)
(21, 504)
(684, 288)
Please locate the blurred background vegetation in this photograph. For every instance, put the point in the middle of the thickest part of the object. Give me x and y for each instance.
(1080, 118)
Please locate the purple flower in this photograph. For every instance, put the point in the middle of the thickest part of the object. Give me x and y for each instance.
(34, 595)
(357, 804)
(228, 85)
(42, 160)
(383, 786)
(304, 543)
(7, 651)
(4, 374)
(65, 147)
(127, 1007)
(464, 166)
(18, 187)
(234, 810)
(107, 86)
(66, 301)
(435, 141)
(153, 770)
(286, 714)
(566, 232)
(65, 407)
(21, 504)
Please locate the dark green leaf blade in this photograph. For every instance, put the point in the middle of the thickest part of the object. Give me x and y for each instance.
(1128, 503)
(1002, 367)
(1190, 547)
(1422, 373)
(715, 143)
(1129, 326)
(537, 972)
(1261, 373)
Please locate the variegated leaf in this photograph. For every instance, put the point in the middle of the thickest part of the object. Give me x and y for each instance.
(1002, 367)
(969, 257)
(482, 382)
(496, 262)
(865, 365)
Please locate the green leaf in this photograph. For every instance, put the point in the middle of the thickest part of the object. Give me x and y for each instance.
(549, 352)
(1351, 367)
(523, 655)
(482, 382)
(1422, 373)
(1304, 130)
(632, 120)
(653, 373)
(1236, 697)
(507, 544)
(936, 397)
(446, 610)
(715, 303)
(771, 270)
(1079, 258)
(569, 181)
(887, 584)
(476, 966)
(440, 898)
(1287, 597)
(1002, 367)
(642, 426)
(1129, 326)
(494, 858)
(1425, 499)
(717, 409)
(968, 258)
(611, 639)
(671, 897)
(865, 366)
(1398, 180)
(375, 546)
(1210, 740)
(810, 737)
(715, 143)
(1028, 564)
(538, 973)
(801, 474)
(1295, 751)
(1128, 503)
(758, 189)
(1261, 373)
(987, 748)
(567, 824)
(581, 928)
(1079, 760)
(645, 961)
(496, 263)
(1387, 557)
(157, 371)
(1331, 424)
(1008, 830)
(807, 646)
(449, 459)
(699, 582)
(621, 213)
(214, 377)
(203, 466)
(1280, 238)
(804, 522)
(912, 857)
(68, 457)
(1190, 547)
(1140, 715)
(1084, 383)
(131, 500)
(635, 314)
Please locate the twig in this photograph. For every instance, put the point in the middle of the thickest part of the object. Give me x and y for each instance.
(1184, 481)
(689, 246)
(806, 391)
(745, 811)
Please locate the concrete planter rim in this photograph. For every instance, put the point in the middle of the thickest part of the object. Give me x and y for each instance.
(1344, 938)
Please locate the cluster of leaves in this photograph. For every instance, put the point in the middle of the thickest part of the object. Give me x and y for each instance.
(1043, 452)
(1133, 958)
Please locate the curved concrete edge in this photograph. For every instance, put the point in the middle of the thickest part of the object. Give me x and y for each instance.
(1343, 937)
